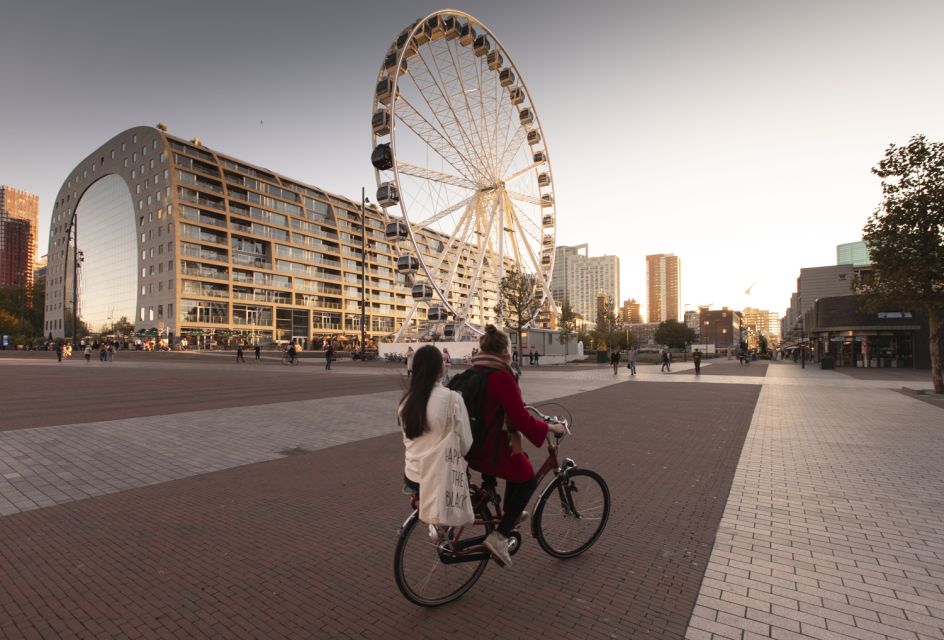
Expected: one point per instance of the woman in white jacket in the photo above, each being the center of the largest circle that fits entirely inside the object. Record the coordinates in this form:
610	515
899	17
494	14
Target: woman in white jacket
425	410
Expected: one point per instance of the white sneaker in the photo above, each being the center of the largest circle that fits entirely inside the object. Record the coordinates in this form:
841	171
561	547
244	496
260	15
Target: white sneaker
498	545
434	534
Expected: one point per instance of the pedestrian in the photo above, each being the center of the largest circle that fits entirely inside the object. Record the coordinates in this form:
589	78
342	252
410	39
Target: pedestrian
258	352
88	353
531	357
614	360
59	352
329	356
239	353
696	358
110	353
101	352
447	364
409	362
514	357
537	359
665	360
631	364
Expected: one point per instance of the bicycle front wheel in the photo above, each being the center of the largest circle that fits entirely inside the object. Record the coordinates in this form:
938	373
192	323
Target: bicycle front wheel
424	565
572	513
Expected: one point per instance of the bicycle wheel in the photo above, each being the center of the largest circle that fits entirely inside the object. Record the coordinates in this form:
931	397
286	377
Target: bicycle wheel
422	564
571	513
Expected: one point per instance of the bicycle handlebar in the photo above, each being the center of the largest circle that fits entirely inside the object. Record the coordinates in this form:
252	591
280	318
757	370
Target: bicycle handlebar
554	419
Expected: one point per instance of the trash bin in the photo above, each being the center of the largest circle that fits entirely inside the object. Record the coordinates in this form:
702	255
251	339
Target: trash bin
827	362
603	356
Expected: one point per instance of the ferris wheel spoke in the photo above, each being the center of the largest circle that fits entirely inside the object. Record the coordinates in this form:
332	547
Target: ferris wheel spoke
506	111
436	176
524	197
512	236
525	223
434	139
436	217
456	255
521	172
461	232
480	258
513	147
539	272
456	85
440	105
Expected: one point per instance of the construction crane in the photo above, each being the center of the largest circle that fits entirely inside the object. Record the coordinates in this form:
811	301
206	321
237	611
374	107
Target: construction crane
747	291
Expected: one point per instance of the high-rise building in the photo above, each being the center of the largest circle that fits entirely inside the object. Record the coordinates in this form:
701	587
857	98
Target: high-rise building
578	278
854	253
663	273
19	238
630	313
185	242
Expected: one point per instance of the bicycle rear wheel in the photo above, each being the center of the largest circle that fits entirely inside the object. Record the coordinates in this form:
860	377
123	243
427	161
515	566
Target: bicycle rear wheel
572	513
422	566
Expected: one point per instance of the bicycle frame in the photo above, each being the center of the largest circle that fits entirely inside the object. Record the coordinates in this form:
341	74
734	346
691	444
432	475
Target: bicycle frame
453	549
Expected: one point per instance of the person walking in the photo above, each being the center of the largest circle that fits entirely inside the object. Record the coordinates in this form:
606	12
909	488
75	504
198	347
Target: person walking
531	357
59	352
537	359
447	365
665	361
239	353
614	360
88	353
631	364
409	361
696	358
329	356
258	352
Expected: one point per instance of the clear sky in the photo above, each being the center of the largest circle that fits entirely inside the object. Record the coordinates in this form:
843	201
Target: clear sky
737	135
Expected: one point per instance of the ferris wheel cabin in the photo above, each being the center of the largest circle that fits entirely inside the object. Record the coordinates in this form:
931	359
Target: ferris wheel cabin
382	157
384	91
539	157
506	77
526	116
481	46
467	34
534	137
380	122
437	314
422	292
397	231
388	195
407	264
516	94
494	60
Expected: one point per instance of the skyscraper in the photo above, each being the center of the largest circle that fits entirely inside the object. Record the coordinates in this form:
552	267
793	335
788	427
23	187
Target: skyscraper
578	278
631	314
663	273
19	239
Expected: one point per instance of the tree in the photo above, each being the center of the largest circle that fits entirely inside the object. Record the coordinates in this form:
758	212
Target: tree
519	300
674	334
609	327
905	236
567	325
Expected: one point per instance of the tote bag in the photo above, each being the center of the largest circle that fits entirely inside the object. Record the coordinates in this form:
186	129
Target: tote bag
444	487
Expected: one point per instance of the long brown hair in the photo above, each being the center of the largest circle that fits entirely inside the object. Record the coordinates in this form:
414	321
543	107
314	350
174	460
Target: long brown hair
427	365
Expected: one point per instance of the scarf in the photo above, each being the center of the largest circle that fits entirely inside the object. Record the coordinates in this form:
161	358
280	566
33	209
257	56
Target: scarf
491	361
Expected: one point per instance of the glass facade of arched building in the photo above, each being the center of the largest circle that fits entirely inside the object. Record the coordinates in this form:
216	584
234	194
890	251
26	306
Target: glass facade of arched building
180	243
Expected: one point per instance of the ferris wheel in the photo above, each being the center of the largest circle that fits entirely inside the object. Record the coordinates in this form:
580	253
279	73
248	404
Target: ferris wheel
463	172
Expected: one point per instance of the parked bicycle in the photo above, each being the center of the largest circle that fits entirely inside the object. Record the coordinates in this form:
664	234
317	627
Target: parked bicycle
289	359
436	565
395	357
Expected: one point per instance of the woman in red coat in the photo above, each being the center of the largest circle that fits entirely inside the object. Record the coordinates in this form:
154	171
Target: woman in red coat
501	454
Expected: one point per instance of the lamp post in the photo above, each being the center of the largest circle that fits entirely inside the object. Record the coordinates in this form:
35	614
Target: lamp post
363	272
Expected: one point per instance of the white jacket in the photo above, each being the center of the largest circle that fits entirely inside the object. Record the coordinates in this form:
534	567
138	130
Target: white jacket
441	402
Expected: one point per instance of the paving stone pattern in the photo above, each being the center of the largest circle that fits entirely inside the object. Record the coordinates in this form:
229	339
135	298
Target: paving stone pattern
834	527
301	546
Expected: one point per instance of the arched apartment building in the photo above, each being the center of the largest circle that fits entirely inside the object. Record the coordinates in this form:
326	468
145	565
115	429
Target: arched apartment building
183	242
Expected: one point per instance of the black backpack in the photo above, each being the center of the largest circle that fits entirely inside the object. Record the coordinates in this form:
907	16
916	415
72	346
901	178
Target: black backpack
472	384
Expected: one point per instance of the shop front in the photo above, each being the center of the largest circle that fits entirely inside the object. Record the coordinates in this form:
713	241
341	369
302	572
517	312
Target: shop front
896	338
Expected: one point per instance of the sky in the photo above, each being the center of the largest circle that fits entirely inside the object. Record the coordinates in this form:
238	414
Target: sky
738	135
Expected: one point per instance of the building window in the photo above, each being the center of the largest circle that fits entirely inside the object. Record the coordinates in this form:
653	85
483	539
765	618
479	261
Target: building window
150	313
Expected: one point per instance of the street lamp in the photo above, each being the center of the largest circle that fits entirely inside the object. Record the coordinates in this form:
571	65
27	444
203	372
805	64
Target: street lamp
364	201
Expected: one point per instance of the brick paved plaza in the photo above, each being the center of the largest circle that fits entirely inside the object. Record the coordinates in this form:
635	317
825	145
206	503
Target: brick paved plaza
178	496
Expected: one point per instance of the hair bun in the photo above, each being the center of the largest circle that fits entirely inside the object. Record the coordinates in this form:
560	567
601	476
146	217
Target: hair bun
491	329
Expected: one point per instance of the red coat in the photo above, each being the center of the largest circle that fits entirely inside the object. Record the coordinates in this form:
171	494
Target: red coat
503	393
